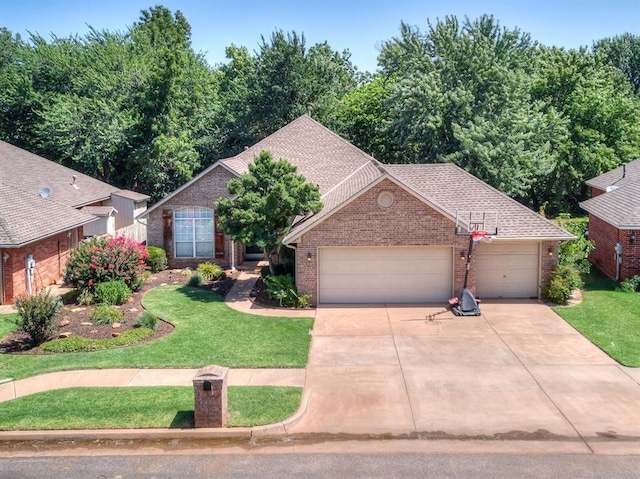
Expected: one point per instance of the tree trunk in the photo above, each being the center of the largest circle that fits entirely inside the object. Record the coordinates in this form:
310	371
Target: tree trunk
272	268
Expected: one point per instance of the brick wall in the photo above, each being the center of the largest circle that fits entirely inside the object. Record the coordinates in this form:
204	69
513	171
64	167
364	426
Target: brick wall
596	192
409	222
50	255
548	262
605	237
203	192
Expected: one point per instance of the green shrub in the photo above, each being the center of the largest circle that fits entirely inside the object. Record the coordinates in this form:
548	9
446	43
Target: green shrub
186	272
575	251
85	297
36	315
76	344
112	292
157	259
265	271
195	280
563	281
211	271
101	259
106	314
283	288
630	285
146	320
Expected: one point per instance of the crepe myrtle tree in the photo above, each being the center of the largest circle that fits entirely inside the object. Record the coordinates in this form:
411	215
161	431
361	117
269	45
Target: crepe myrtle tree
264	202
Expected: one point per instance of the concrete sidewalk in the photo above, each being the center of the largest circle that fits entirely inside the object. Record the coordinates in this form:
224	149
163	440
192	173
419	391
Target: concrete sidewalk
144	377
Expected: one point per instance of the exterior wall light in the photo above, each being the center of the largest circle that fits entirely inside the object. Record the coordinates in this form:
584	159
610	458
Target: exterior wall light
309	257
550	252
463	256
632	238
5	257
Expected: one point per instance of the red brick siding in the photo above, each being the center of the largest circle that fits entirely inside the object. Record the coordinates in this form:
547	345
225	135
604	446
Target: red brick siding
547	262
204	193
50	255
605	237
631	254
596	192
409	222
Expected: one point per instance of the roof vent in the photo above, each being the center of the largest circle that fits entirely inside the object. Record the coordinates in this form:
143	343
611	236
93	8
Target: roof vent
611	188
44	192
73	181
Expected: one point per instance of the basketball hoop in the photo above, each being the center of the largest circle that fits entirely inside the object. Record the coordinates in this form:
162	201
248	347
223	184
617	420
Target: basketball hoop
478	235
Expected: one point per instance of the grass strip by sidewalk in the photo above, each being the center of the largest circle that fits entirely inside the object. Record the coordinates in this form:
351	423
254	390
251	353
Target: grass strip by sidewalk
141	407
610	319
207	332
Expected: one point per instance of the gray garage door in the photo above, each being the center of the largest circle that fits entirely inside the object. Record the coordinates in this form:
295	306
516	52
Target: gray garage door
385	275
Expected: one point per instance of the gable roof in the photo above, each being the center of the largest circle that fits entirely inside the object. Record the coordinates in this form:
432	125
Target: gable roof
620	206
343	172
623	175
25	216
433	183
320	155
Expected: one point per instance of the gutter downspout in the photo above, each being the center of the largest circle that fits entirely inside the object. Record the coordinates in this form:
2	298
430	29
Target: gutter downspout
233	256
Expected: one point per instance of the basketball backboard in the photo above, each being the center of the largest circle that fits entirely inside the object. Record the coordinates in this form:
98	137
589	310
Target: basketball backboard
476	220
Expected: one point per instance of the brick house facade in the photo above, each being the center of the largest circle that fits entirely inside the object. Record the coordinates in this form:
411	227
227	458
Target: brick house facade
417	217
614	225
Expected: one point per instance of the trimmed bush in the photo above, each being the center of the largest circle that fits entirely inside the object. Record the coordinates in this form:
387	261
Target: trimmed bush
211	271
106	314
102	259
146	320
195	280
156	259
112	292
36	315
564	280
630	285
76	344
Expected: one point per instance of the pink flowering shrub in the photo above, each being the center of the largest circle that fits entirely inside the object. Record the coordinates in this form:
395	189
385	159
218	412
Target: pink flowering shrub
102	259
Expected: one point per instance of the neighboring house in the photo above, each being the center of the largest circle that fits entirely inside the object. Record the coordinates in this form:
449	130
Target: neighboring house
386	232
614	220
45	209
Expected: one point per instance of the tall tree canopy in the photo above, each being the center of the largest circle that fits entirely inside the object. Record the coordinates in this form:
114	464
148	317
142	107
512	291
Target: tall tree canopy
623	52
264	203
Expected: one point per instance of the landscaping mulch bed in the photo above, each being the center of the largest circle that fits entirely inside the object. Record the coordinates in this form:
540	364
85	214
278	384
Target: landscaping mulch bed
260	296
79	322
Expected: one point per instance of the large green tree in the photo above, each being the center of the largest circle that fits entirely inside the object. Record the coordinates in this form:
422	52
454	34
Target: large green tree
623	52
264	203
267	90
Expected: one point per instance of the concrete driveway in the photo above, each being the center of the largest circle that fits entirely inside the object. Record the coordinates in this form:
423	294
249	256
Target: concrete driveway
517	372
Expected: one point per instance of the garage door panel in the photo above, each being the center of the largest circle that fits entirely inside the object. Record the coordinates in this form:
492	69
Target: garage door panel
384	275
507	270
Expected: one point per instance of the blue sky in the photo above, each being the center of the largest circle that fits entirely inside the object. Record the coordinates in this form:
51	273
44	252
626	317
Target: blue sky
357	25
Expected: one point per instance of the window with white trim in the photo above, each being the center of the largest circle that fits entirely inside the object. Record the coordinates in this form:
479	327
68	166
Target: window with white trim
193	228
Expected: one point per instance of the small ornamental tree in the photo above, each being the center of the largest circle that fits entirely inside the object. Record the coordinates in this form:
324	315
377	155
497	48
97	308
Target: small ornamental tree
264	202
102	259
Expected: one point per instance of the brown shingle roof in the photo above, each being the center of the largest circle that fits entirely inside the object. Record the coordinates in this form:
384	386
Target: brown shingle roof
30	173
27	217
614	177
323	157
451	188
619	207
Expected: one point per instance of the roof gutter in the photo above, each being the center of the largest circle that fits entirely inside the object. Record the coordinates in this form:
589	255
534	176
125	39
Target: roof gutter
39	238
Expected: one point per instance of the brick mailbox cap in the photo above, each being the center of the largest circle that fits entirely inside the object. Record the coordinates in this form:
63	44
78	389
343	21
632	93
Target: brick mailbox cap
212	371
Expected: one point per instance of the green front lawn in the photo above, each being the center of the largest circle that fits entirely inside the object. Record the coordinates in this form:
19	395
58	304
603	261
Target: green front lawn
141	407
7	324
610	319
207	332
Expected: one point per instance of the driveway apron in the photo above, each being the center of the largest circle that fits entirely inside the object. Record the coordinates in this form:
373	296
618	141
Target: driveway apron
518	371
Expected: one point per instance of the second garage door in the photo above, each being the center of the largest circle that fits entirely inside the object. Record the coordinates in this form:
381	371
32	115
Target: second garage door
385	275
507	270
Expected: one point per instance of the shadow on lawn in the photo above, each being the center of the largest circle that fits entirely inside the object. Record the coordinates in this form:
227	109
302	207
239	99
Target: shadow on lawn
597	281
200	295
183	420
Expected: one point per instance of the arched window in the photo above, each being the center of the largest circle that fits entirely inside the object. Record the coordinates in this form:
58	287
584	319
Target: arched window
194	232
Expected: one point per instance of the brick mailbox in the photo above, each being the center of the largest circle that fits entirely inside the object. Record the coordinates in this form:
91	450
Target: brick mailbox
210	396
